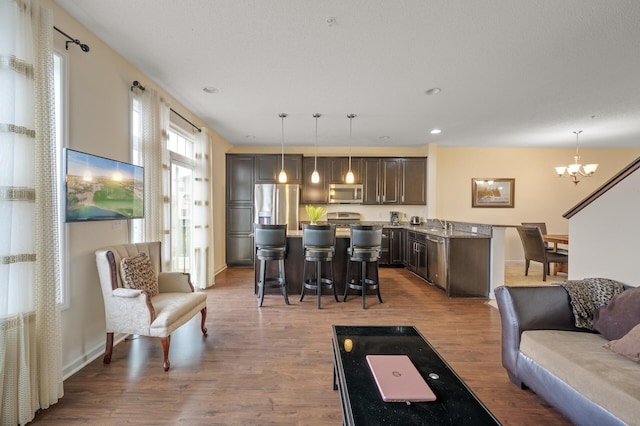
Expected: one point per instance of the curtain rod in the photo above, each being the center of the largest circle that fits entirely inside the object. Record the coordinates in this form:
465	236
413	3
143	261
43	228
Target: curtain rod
83	46
137	85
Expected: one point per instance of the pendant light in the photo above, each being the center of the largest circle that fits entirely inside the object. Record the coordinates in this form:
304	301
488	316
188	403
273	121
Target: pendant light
577	171
315	176
349	178
282	177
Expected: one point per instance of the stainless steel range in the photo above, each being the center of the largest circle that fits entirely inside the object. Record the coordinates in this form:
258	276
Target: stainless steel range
343	220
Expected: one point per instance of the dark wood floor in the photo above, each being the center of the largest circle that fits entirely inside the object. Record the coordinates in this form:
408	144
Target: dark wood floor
273	366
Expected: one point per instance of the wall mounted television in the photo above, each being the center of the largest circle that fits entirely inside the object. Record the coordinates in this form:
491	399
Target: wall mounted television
98	188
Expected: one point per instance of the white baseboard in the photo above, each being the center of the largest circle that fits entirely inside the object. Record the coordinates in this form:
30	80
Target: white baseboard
84	360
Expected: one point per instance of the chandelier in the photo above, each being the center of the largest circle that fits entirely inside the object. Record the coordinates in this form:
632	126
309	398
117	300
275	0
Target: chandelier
577	171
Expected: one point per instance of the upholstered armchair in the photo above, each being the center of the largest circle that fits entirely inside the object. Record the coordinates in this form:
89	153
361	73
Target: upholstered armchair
141	299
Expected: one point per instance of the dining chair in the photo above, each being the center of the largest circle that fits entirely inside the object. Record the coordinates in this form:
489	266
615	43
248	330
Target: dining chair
536	250
543	229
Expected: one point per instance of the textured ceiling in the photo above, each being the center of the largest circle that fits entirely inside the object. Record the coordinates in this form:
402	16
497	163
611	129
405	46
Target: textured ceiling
512	72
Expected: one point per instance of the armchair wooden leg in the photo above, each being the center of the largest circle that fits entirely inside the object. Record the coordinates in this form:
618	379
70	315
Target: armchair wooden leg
108	351
204	319
166	342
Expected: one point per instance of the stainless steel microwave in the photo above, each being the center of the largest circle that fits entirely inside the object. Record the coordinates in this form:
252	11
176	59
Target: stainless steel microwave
346	193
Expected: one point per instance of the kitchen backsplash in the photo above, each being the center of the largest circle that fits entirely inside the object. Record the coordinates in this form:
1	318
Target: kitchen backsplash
373	213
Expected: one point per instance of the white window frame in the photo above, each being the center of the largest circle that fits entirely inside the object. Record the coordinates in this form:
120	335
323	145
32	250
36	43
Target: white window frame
136	231
62	130
184	161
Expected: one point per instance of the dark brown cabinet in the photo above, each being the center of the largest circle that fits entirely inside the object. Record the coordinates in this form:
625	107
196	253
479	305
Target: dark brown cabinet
240	179
392	250
414	181
239	209
395	181
416	253
337	168
268	166
382	180
468	263
314	192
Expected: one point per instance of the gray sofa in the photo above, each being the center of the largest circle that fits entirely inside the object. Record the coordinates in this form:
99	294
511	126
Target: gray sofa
565	365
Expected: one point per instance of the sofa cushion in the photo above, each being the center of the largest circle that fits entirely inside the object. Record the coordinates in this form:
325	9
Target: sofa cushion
580	360
619	316
138	273
628	346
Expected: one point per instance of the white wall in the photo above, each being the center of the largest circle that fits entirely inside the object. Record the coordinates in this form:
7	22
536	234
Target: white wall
604	236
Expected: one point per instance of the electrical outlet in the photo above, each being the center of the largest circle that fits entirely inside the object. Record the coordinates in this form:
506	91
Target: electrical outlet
474	229
116	224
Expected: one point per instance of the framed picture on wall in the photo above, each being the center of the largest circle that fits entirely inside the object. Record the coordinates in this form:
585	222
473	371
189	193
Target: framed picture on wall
492	192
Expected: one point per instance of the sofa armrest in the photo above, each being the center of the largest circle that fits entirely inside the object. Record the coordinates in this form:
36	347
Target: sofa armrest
174	282
531	308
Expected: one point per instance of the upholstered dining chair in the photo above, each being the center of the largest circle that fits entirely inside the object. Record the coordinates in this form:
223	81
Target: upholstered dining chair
140	299
543	229
536	250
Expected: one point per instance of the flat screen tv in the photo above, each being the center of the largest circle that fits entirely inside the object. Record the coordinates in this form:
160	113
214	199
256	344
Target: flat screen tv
98	188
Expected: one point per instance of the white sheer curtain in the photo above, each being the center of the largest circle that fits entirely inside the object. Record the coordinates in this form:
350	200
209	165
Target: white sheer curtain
154	157
202	270
30	337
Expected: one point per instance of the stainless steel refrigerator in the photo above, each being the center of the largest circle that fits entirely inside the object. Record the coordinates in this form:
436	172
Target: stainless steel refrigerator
277	204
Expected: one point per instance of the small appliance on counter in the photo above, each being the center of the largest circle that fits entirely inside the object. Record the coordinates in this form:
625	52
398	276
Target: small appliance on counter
394	218
415	220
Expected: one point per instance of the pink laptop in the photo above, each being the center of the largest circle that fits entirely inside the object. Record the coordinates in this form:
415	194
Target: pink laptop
398	379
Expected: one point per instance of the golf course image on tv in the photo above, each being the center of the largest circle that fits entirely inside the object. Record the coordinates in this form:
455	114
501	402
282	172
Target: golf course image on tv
99	188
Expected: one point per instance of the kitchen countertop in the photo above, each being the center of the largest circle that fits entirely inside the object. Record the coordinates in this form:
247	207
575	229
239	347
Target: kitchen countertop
423	229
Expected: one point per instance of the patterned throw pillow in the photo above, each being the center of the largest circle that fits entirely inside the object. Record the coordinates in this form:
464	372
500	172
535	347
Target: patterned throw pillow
138	273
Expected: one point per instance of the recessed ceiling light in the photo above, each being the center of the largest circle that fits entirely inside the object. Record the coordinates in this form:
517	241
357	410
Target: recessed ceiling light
209	89
331	21
385	137
433	91
250	137
436	131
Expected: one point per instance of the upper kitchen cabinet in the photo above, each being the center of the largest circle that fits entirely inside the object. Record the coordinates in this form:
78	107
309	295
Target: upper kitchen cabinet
337	168
395	181
314	192
240	179
414	181
382	180
267	168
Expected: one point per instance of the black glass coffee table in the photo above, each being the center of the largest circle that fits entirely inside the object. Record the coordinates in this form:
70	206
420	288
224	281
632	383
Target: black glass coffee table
361	400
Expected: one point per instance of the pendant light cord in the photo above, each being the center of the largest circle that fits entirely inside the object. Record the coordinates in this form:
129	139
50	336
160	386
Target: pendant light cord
350	139
315	162
282	116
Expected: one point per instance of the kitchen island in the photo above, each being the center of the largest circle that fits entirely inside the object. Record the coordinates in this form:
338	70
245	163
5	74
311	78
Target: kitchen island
456	260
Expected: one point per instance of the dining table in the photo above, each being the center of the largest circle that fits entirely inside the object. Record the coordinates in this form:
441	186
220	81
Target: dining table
556	239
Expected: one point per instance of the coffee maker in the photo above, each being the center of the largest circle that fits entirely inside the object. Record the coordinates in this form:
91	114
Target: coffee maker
394	218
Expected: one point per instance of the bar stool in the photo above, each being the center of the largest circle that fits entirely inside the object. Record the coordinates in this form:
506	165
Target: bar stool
365	248
271	244
318	245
